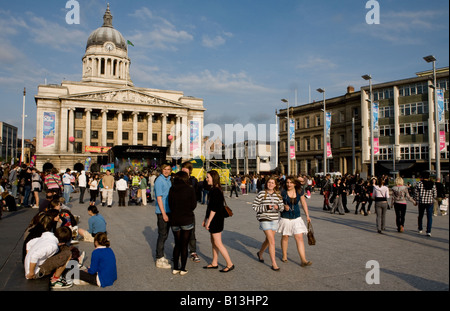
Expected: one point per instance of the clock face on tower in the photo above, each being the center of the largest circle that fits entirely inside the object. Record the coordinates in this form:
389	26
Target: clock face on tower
109	47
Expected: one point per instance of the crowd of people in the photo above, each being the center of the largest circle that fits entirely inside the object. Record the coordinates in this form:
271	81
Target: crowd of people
50	238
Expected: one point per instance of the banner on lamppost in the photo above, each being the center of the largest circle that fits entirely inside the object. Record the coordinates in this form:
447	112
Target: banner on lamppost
291	139
375	129
440	104
327	139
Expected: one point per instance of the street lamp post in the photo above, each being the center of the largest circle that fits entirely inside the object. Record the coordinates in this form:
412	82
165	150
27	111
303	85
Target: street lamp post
432	59
288	141
324	133
372	149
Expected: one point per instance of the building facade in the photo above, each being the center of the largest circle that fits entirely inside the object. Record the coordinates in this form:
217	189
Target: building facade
405	131
345	135
80	120
8	141
406	125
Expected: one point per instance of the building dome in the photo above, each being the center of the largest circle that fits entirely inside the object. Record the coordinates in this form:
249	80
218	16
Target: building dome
107	33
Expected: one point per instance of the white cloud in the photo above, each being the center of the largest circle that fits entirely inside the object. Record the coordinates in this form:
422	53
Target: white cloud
159	34
403	27
216	41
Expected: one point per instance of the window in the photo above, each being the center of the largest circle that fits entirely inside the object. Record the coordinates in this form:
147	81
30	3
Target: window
78	114
95	115
342	141
297	124
125	117
140	136
94	134
78	134
110	116
78	147
318	120
109	135
307	144
342	116
307	122
387	112
154	136
140	118
413	89
355	112
414	152
125	135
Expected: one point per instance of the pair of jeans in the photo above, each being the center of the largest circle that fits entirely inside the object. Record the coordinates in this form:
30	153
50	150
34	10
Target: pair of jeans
67	191
429	209
400	212
26	196
163	233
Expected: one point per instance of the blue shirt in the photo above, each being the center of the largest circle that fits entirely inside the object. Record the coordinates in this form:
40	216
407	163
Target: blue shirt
96	224
162	187
103	262
294	206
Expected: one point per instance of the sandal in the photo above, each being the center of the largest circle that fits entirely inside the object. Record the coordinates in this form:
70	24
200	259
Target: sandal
228	269
211	267
259	258
304	264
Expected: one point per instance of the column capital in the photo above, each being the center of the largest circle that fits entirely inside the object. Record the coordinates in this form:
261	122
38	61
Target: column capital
150	114
165	115
120	112
87	109
105	110
135	113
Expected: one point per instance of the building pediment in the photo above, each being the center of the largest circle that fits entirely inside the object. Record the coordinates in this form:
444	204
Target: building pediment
124	96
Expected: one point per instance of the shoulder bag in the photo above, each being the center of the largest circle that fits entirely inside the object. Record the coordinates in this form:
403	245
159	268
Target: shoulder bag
310	234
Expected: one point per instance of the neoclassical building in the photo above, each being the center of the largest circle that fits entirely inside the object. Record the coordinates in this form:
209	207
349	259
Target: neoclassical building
82	120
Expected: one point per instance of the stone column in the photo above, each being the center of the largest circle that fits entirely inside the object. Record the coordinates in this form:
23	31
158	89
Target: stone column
150	129
135	127
71	127
396	122
185	133
164	130
87	141
178	135
104	129
63	130
119	127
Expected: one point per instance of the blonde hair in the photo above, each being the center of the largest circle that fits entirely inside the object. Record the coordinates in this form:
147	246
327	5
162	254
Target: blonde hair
399	181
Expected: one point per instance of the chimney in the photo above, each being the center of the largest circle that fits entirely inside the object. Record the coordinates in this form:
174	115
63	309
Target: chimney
350	89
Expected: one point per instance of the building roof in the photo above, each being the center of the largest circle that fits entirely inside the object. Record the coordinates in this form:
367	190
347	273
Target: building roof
107	33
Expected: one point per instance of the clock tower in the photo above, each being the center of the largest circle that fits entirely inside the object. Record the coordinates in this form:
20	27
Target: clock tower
106	58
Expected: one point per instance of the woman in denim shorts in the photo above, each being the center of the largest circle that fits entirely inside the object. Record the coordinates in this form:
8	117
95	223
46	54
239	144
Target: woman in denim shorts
267	205
182	202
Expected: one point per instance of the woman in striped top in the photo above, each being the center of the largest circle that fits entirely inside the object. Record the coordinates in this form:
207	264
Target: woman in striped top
267	205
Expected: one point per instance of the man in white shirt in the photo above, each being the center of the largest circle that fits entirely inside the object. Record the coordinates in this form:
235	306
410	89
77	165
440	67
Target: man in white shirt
67	182
82	185
121	186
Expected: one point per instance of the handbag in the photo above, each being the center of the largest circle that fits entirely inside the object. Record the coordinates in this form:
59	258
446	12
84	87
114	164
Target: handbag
310	234
228	211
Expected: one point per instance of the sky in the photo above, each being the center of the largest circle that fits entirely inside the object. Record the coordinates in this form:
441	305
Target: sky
240	56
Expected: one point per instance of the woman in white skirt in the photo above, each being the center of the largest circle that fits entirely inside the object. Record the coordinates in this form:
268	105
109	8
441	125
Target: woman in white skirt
267	205
290	221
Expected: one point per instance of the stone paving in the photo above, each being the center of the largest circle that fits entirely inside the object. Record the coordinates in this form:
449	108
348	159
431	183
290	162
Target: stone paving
342	258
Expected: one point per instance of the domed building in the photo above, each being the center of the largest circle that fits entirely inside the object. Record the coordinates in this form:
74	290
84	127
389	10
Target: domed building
104	120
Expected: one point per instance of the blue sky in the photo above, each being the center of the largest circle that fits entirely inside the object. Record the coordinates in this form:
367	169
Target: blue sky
240	56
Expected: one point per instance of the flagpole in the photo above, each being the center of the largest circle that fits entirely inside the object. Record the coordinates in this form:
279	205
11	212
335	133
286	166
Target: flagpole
23	126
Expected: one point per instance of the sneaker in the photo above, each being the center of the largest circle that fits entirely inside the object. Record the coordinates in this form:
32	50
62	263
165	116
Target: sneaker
429	234
195	257
183	272
420	231
60	283
174	271
82	257
162	263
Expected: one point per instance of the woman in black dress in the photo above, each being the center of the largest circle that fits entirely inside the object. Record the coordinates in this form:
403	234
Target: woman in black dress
214	222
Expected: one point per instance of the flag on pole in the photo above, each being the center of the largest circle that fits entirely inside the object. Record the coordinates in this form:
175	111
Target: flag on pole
130	43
